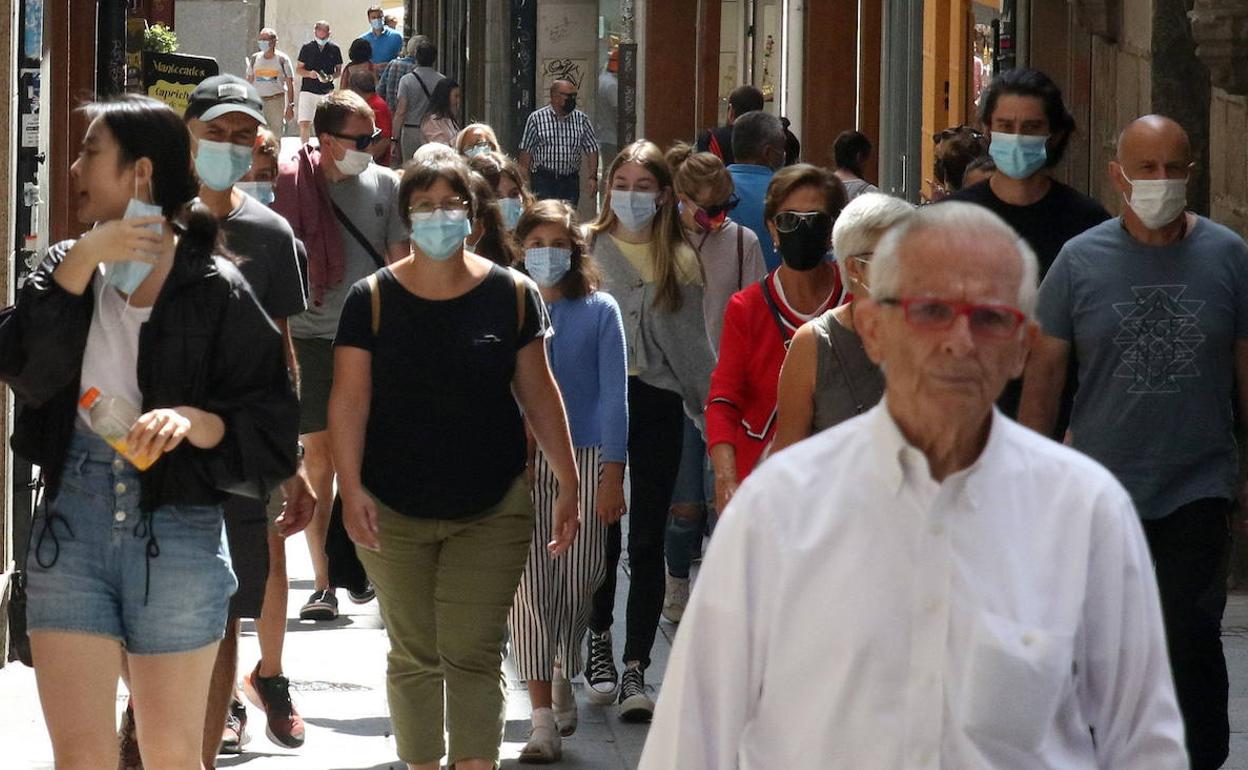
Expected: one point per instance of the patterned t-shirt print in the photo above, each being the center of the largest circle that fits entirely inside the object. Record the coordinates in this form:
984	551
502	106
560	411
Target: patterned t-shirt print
1158	335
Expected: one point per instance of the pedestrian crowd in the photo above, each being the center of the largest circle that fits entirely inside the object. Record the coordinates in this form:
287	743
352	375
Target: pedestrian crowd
458	391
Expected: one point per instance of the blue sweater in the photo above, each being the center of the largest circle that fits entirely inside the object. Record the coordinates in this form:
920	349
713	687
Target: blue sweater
588	359
752	183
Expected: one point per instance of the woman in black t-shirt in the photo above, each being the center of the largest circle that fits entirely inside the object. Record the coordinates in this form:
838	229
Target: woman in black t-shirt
429	443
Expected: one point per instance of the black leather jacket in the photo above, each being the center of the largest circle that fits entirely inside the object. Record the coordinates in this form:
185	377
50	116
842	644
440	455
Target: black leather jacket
208	344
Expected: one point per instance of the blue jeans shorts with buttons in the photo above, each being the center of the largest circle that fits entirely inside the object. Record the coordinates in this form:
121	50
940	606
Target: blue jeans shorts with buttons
94	567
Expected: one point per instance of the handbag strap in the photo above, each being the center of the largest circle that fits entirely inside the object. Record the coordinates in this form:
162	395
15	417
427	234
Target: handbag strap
785	335
740	257
357	235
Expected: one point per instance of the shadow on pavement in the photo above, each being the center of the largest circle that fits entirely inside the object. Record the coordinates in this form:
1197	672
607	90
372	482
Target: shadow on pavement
368	727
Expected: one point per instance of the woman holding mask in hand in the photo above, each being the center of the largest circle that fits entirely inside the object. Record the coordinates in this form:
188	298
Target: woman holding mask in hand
141	310
434	359
801	206
653	272
551	611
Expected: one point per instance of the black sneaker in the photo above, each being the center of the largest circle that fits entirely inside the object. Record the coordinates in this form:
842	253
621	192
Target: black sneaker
284	726
235	736
635	703
600	671
321	605
363	597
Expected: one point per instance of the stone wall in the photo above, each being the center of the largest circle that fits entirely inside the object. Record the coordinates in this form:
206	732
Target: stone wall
1228	152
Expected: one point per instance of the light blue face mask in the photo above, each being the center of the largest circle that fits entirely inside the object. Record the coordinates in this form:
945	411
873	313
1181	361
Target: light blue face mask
511	209
126	276
221	164
1018	156
440	234
264	45
321	41
480	148
377	24
547	264
261	191
634	209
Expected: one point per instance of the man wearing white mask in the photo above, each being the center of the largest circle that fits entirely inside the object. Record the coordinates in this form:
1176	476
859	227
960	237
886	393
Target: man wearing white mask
1029	128
345	208
1156	305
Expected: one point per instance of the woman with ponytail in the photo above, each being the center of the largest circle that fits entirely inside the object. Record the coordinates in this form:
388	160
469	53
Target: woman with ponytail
127	552
653	272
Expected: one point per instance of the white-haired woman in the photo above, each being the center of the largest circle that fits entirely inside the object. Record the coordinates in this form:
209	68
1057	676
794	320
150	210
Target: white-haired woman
827	377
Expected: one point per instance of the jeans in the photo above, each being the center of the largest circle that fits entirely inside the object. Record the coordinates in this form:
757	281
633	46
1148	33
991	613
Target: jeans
695	485
549	185
655	434
1190	550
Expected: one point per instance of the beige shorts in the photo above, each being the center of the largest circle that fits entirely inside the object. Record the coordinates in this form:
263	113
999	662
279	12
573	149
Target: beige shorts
307	106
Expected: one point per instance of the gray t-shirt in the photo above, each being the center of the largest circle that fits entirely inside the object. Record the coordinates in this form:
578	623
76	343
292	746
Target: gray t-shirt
371	202
1153	329
413	96
269	261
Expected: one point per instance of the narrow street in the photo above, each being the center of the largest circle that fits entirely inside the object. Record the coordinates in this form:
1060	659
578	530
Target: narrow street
337	673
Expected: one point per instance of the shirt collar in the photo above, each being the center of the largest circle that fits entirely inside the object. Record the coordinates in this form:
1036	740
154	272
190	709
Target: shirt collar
900	462
751	168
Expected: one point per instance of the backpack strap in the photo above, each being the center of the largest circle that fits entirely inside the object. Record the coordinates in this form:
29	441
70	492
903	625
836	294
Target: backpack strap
375	297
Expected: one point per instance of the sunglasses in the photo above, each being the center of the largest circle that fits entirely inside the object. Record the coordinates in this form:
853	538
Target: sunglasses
789	221
363	141
722	208
929	314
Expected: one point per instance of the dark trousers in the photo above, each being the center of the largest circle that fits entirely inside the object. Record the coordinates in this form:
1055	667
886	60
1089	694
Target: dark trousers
1190	549
655	434
548	185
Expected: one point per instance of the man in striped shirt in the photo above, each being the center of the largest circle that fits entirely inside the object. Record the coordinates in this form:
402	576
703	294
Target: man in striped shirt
557	139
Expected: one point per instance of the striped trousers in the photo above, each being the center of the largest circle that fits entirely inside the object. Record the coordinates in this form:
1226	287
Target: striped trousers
551	612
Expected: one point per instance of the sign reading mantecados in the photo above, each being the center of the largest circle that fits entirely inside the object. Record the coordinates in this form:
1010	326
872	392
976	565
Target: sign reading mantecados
171	77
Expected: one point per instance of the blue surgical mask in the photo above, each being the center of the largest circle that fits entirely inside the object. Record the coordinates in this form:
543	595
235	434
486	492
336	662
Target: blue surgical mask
480	148
377	24
127	276
1018	156
440	234
261	191
547	264
321	41
634	209
511	209
264	45
221	164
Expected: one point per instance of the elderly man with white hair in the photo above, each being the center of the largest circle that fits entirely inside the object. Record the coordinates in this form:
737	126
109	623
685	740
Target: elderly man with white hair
928	584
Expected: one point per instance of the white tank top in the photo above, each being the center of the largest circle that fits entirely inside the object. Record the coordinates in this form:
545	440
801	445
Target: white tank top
111	360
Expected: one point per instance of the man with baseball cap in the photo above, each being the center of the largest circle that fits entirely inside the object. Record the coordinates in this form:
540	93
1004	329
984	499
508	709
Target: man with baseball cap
224	115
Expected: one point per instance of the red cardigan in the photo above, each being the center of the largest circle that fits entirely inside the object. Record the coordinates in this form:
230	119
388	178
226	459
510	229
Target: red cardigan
741	409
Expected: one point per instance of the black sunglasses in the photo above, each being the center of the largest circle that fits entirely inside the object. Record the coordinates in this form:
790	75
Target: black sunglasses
789	221
723	208
363	141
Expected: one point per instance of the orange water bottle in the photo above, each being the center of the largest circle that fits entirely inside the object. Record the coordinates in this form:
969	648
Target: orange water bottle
112	418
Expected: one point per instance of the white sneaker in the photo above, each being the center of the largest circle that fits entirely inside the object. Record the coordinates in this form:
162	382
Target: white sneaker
544	744
600	671
564	701
675	598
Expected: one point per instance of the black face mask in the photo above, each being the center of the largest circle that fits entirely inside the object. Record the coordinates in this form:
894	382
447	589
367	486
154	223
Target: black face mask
804	247
569	104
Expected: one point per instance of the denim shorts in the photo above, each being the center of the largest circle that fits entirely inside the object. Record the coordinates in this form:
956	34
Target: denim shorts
98	566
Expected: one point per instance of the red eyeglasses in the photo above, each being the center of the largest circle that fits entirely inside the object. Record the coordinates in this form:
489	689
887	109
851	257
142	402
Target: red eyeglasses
930	314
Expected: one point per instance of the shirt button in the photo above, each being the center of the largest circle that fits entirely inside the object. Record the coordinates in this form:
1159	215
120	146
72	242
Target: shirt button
118	464
120	488
120	515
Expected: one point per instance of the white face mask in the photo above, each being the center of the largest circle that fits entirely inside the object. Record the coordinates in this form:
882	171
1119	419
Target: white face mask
354	162
1157	202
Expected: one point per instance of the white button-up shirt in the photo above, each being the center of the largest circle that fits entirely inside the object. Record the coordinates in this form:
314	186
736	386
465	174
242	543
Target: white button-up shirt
854	613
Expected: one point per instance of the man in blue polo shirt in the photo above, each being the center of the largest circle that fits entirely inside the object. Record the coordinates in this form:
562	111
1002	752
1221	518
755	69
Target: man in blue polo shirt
758	146
386	42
